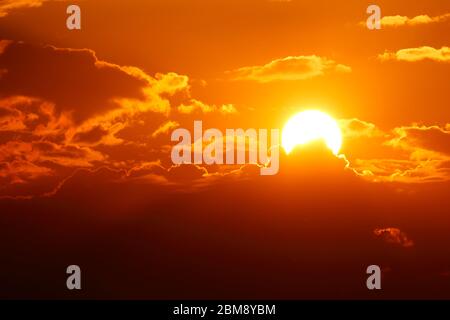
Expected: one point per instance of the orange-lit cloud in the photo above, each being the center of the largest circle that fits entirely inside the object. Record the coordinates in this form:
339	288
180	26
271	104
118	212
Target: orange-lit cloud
418	54
41	152
289	68
165	128
394	236
195	105
433	138
398	20
120	122
42	69
85	149
49	131
352	128
21	171
6	6
410	154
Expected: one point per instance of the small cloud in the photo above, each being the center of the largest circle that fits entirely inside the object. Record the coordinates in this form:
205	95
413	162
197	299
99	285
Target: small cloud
418	54
165	127
289	68
398	21
6	6
91	136
394	236
353	128
186	172
170	83
195	105
227	109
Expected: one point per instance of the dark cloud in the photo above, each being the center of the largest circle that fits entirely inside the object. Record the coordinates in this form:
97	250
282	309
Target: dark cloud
433	138
74	80
63	108
91	136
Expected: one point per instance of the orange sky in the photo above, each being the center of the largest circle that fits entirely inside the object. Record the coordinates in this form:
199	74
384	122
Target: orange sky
85	123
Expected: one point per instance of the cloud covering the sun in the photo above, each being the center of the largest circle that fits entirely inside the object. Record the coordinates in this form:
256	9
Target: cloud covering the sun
288	69
418	54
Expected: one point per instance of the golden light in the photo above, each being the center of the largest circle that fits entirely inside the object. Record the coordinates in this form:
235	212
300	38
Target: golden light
309	126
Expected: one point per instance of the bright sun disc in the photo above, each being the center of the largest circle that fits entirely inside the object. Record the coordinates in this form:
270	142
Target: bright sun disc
308	126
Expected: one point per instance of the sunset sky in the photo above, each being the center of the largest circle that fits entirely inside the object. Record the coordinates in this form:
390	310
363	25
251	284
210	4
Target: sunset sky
86	175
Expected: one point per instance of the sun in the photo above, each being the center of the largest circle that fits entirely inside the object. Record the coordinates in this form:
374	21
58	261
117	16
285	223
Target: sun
311	125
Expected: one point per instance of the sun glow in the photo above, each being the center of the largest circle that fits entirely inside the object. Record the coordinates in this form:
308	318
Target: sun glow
308	126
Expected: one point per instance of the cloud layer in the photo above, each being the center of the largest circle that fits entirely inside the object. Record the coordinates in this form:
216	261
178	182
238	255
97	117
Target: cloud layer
53	120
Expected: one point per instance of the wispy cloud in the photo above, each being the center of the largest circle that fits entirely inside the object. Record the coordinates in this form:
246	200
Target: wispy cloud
165	128
289	68
195	105
6	6
418	54
398	20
